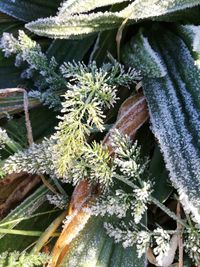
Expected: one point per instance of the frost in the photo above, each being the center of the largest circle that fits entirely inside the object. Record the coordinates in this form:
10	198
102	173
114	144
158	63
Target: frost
79	6
141	9
140	49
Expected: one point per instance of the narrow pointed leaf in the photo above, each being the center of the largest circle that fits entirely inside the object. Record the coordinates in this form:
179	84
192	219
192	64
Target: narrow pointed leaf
78	25
80	6
140	9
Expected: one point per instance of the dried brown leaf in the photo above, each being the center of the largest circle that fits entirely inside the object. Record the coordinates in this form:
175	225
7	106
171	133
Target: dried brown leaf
14	188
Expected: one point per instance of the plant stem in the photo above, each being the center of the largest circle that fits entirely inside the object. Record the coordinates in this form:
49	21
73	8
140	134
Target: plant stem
154	201
27	218
22	232
180	236
48	233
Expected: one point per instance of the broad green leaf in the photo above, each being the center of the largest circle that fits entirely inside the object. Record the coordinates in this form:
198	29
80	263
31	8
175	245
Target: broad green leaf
29	10
174	106
191	36
93	247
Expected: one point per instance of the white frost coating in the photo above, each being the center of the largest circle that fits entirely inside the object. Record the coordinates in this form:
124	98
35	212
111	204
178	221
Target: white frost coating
79	6
196	37
74	26
180	155
189	104
168	258
141	9
154	56
189	207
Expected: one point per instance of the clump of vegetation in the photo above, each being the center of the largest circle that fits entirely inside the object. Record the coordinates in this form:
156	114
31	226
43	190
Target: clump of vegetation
108	143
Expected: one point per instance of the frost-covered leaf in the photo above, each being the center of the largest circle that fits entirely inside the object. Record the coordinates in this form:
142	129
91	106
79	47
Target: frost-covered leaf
174	105
191	36
94	248
80	6
139	49
78	25
28	10
142	9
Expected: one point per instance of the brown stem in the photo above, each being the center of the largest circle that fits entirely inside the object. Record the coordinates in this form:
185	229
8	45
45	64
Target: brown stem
8	91
180	236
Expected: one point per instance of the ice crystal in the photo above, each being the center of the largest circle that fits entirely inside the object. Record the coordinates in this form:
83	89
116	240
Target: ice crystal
127	156
142	242
192	245
27	50
141	199
4	138
36	160
162	240
110	205
22	259
57	200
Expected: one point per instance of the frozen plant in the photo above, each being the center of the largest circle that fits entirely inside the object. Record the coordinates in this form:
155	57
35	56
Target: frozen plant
22	259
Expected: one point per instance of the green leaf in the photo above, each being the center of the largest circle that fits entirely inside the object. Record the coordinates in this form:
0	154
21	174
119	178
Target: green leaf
26	208
68	50
162	187
78	25
174	106
93	247
40	214
29	10
80	6
152	64
143	9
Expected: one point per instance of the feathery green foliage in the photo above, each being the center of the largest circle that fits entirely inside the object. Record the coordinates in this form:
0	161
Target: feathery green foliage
19	259
167	56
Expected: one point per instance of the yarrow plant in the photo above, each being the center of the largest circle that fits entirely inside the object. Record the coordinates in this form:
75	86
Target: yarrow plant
83	94
18	259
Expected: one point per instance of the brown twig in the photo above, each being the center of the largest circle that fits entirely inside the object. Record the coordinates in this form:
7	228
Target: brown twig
180	236
47	184
8	91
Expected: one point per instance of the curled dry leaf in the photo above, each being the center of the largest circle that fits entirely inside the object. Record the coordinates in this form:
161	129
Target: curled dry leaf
13	188
132	115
